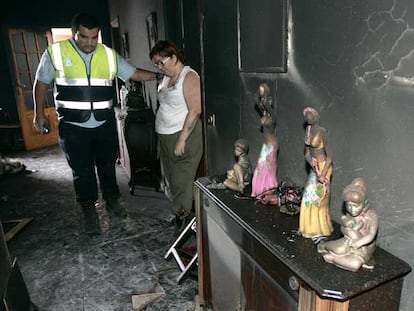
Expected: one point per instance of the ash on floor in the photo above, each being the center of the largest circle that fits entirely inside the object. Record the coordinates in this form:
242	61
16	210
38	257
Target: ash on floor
68	267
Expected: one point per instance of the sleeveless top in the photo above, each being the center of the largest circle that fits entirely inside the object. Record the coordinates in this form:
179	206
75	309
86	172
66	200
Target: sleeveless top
173	109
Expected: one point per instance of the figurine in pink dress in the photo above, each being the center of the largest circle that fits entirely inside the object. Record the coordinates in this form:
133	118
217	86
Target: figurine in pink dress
265	174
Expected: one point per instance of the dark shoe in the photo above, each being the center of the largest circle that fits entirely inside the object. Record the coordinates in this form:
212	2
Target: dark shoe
180	223
90	217
117	205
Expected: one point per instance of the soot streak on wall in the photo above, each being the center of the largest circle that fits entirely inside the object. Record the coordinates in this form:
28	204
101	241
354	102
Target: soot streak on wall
354	62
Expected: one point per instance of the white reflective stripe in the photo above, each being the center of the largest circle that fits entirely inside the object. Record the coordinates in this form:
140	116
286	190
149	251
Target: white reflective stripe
72	82
83	82
57	57
83	105
101	82
111	61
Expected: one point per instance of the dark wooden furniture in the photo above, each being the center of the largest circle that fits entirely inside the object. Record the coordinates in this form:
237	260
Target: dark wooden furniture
13	291
250	258
10	136
138	147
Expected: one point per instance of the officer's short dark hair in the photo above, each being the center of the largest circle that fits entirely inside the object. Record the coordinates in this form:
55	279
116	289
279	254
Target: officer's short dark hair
86	20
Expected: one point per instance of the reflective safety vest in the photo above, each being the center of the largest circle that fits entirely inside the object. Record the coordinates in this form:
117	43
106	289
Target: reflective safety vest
77	94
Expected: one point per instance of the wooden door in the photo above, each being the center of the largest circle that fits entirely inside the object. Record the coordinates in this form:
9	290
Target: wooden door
26	50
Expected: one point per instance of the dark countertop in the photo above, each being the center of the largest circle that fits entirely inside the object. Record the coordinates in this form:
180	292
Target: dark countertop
277	233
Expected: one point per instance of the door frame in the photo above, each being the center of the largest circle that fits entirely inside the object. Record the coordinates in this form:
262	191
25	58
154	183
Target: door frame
23	60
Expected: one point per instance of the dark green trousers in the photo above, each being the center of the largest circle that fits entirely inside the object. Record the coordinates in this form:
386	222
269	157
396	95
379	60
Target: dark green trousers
180	171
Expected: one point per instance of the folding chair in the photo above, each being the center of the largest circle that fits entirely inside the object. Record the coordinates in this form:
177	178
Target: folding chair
179	255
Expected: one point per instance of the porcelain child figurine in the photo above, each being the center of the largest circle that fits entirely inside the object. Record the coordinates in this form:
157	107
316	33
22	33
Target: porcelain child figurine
314	220
359	227
241	174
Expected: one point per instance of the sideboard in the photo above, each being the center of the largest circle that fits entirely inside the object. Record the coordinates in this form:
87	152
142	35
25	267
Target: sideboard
251	258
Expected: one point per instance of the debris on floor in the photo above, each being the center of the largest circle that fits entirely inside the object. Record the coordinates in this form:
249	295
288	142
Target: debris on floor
12	227
142	300
8	166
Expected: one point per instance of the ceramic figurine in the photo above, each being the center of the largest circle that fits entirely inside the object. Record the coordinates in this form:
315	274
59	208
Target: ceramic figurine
241	174
263	101
314	219
359	228
265	173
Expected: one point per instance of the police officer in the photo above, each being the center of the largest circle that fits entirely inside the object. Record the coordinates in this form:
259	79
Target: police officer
84	71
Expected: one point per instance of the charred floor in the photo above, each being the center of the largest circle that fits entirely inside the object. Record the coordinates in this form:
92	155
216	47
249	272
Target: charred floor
67	265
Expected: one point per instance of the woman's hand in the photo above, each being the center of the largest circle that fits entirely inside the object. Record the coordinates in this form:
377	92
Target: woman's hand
179	148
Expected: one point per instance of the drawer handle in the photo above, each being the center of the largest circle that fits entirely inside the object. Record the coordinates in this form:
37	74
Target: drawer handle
206	202
293	283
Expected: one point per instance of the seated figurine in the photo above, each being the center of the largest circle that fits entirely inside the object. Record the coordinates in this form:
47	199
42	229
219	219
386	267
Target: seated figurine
359	227
241	174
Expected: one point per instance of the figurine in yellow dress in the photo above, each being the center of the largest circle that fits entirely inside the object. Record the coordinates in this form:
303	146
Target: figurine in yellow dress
314	220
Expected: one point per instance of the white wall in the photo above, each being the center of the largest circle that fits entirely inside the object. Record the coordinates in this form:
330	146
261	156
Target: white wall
132	16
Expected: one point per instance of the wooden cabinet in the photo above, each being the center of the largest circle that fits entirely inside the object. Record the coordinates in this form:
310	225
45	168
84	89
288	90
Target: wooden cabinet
138	147
250	258
13	290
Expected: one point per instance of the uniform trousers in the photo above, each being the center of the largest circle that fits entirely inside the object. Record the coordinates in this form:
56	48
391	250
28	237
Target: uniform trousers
89	151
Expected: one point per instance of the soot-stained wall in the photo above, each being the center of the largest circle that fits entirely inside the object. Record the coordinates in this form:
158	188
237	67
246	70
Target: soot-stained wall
353	61
342	61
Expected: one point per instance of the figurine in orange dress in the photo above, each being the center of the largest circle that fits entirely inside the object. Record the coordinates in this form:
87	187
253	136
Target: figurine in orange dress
314	220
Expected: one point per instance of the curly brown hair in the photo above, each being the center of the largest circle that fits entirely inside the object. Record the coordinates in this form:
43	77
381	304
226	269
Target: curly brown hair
166	49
